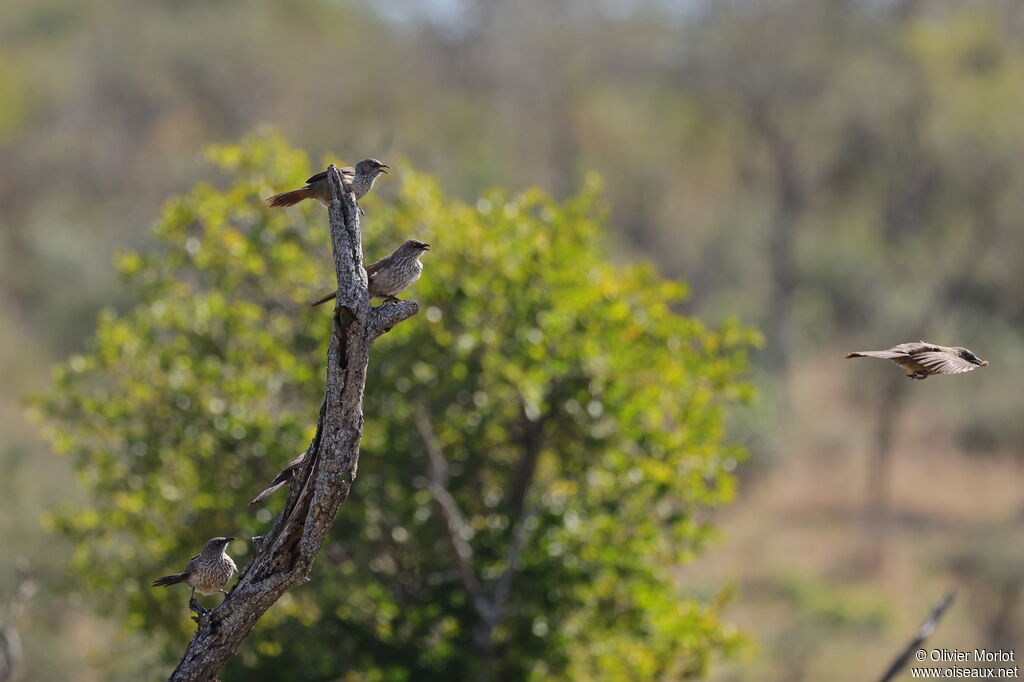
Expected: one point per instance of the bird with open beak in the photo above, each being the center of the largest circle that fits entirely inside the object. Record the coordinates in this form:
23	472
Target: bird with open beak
359	180
923	359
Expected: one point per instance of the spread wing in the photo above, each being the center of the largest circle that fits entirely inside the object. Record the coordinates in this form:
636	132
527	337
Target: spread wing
345	172
944	363
191	565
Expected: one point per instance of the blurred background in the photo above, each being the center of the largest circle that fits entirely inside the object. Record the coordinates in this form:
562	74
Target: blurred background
838	174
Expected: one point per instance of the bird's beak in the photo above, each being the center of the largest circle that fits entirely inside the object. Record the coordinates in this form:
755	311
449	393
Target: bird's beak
383	168
426	247
228	539
984	363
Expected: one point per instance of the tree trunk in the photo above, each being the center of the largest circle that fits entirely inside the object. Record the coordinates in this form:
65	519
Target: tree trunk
876	512
287	552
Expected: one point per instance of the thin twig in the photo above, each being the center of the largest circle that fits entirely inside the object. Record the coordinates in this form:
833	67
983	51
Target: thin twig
456	525
923	633
489	607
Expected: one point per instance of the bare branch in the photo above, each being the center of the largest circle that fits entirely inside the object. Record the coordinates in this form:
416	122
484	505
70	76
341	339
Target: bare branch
454	521
323	482
532	441
10	642
504	582
923	633
489	607
387	316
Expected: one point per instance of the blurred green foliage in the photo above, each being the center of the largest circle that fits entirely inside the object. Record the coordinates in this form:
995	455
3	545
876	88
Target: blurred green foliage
897	121
530	343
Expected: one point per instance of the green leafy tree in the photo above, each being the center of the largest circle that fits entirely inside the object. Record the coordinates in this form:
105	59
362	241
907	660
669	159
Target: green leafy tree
579	418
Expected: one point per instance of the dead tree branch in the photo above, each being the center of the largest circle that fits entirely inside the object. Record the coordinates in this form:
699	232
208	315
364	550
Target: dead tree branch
456	526
287	552
490	606
10	642
923	633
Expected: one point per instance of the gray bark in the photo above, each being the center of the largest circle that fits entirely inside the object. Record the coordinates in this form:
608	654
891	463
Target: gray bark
287	552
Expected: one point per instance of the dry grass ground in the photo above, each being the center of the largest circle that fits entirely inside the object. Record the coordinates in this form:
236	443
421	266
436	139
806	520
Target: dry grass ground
799	552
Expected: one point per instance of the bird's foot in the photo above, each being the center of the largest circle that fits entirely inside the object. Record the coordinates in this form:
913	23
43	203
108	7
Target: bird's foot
393	300
197	607
361	211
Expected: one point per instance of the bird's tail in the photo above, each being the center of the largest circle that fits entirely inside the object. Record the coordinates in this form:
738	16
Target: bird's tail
282	478
883	354
173	579
325	299
285	199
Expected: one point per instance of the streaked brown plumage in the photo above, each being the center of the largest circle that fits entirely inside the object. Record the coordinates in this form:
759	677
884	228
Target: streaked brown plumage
283	477
392	274
208	572
360	179
922	359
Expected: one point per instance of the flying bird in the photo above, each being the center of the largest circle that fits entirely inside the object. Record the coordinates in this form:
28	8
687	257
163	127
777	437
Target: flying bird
208	571
922	359
392	274
359	179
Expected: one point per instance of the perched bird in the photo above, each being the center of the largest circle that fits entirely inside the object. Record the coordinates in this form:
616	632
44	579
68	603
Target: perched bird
208	571
923	359
283	476
392	274
359	179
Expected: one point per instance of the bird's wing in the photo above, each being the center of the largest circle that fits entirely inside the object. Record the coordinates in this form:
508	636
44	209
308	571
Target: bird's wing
292	465
944	363
283	476
191	565
925	347
372	268
347	170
